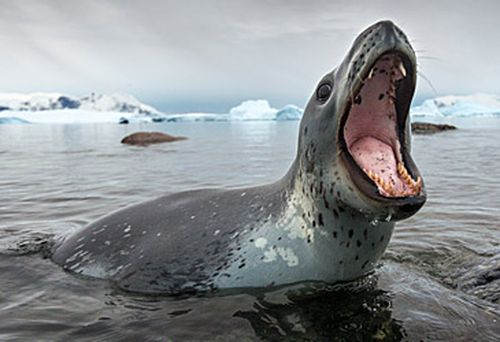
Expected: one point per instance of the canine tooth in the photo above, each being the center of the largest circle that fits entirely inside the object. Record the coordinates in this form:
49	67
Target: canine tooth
401	68
370	75
419	184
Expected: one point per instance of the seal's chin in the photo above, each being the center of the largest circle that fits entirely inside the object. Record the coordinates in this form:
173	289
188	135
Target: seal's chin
373	131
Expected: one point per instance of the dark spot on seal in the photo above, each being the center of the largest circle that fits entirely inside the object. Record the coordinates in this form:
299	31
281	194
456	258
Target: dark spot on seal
320	219
334	235
365	234
348	244
308	238
373	244
341	262
327	205
364	264
381	238
358	243
351	233
381	96
335	213
314	223
357	257
242	265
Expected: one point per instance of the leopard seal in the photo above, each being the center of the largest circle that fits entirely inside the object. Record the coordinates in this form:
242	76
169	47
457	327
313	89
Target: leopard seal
328	219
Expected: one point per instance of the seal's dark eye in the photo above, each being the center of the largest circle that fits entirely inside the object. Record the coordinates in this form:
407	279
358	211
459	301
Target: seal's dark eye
323	92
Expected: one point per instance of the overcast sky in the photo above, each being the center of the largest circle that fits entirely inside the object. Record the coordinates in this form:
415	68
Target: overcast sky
210	55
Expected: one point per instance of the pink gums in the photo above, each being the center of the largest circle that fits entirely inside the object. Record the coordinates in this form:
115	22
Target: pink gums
371	128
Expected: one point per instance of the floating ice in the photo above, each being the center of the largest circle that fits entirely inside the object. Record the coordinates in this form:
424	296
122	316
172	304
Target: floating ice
459	106
98	108
250	110
10	120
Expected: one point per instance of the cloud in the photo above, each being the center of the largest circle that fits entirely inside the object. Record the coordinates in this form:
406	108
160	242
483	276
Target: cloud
210	55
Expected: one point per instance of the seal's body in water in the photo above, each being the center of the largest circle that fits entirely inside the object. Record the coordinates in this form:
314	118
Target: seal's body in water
328	219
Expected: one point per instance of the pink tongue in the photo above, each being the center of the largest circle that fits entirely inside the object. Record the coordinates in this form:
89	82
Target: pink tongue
374	155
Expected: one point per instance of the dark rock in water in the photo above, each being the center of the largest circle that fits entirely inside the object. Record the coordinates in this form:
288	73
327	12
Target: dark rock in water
2	108
429	128
158	119
147	138
123	121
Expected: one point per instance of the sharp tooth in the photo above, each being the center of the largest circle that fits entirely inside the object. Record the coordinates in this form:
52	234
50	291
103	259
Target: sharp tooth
401	68
370	75
419	185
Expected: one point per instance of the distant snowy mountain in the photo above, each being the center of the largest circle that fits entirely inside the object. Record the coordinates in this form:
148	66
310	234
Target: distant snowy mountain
459	106
94	102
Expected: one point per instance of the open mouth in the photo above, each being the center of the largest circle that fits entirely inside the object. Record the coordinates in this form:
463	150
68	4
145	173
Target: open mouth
373	130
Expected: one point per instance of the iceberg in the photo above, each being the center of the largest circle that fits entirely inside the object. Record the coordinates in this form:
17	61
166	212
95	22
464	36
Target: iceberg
12	120
69	116
289	112
253	110
459	106
250	110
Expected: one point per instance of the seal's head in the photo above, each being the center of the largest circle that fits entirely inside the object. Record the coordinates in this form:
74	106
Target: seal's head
355	132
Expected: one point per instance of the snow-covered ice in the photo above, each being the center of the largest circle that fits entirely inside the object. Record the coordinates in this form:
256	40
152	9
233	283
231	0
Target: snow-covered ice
98	108
459	106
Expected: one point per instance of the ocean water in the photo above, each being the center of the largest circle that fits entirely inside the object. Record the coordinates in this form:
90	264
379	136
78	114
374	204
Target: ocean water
439	279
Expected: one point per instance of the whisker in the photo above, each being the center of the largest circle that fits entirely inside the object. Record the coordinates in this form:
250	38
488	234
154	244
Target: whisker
421	74
430	58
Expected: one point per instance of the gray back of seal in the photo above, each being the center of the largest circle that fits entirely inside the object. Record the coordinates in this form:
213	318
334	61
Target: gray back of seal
173	244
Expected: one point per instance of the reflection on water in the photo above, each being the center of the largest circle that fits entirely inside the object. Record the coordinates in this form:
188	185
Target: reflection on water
344	313
439	280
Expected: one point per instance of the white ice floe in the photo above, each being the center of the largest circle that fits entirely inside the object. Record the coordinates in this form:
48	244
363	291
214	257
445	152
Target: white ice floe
459	106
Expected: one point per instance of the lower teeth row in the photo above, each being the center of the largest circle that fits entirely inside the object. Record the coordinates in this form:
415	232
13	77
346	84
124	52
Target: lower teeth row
414	185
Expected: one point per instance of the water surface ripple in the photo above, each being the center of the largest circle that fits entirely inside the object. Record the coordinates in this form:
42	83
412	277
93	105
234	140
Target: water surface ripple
439	280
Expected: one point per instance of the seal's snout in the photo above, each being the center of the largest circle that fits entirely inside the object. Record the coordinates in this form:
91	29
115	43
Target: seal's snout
390	33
